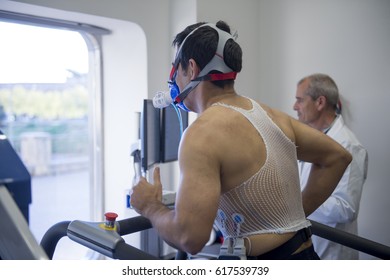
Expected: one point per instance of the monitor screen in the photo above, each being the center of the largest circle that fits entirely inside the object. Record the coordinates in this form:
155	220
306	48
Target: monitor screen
160	134
150	135
171	132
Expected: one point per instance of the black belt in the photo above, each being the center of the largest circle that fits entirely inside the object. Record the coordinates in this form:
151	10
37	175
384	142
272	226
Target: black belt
289	247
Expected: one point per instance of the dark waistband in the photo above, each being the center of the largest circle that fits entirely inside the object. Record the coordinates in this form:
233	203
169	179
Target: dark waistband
288	248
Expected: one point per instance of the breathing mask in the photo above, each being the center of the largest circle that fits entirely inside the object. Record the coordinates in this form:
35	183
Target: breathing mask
217	63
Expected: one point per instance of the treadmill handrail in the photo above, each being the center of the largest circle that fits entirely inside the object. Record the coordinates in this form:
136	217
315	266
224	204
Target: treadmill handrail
121	251
132	225
351	240
139	223
52	237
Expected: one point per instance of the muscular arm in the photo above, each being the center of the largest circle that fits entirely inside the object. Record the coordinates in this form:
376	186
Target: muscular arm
343	205
188	226
329	161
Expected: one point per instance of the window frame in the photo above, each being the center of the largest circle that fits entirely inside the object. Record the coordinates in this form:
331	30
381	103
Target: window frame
93	38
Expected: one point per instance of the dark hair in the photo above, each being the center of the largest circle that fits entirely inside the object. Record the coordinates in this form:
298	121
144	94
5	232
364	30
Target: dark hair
202	45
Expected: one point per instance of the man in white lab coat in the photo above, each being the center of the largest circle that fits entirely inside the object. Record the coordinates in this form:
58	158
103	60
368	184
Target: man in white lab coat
317	104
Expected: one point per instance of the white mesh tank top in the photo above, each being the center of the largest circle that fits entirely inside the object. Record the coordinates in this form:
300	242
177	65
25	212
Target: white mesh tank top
270	201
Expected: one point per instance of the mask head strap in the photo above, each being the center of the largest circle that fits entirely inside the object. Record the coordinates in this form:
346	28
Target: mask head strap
217	63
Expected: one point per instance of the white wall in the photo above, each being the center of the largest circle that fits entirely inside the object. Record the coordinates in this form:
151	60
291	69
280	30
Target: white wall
282	41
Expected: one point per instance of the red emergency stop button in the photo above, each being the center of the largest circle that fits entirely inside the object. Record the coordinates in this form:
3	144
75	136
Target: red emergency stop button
110	219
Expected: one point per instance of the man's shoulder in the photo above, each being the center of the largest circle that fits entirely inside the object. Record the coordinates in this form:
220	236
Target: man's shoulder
349	141
343	134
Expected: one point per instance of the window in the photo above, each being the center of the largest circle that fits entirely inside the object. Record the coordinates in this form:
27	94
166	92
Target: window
50	104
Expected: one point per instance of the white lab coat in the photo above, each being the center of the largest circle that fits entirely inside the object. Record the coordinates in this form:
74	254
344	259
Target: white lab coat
341	209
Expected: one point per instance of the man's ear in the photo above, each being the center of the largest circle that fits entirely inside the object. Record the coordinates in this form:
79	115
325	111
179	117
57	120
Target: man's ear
193	69
321	103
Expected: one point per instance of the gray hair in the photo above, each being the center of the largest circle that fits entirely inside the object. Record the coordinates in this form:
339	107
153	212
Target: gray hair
322	85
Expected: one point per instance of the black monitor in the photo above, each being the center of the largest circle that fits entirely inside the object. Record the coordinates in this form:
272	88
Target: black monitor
150	135
160	134
171	131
